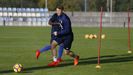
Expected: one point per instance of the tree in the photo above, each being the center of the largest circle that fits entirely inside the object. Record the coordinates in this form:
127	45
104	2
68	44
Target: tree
131	5
73	5
41	3
92	5
51	5
121	5
101	3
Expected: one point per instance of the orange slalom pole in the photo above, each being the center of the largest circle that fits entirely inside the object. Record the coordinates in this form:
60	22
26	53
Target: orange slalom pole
99	39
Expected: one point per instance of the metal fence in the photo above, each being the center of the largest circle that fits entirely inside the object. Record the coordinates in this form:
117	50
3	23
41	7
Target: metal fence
38	17
92	19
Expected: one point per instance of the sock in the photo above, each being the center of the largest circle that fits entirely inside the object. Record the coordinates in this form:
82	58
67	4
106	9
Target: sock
54	58
60	51
72	54
46	48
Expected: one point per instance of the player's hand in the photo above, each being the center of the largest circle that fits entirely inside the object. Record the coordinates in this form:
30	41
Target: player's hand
55	33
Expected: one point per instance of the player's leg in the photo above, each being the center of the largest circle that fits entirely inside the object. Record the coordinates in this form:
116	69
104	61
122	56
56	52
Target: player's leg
70	53
46	48
54	53
73	55
54	43
60	52
53	49
67	47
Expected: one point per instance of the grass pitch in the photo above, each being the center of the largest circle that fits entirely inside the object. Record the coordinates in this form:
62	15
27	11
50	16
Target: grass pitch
19	44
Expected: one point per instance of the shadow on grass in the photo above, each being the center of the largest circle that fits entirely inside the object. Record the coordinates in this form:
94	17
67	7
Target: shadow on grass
82	61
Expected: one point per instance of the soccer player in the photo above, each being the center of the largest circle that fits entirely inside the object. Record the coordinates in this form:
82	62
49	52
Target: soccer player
56	26
66	34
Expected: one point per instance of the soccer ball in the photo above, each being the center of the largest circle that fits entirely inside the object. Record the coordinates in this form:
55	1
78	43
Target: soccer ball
91	36
103	36
17	68
86	36
95	36
98	67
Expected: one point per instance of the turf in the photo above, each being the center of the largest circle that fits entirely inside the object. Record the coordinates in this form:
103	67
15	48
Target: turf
18	45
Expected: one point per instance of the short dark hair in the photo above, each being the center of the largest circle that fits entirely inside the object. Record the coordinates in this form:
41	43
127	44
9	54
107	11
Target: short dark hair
60	7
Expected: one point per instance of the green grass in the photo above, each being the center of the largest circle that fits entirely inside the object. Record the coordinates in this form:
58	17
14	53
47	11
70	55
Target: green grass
18	45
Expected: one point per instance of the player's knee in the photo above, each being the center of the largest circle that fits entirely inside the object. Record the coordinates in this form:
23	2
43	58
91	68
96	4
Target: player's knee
67	52
53	45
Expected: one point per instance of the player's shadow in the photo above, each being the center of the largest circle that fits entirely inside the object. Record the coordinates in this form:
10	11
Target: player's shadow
82	61
107	59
